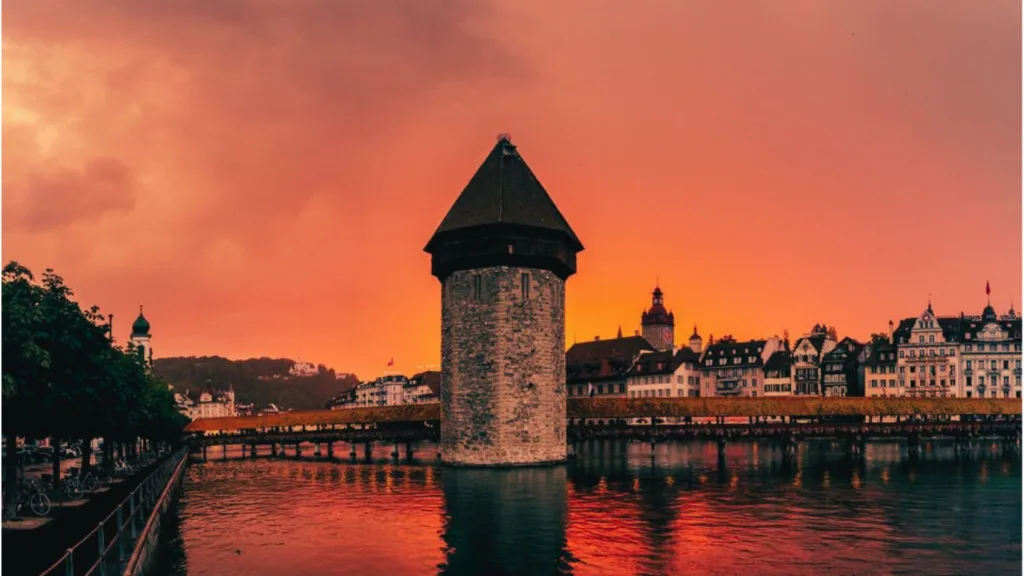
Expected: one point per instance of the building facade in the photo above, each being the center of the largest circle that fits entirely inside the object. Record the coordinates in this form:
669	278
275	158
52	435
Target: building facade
600	367
928	354
778	374
879	377
840	369
212	403
731	369
807	355
990	356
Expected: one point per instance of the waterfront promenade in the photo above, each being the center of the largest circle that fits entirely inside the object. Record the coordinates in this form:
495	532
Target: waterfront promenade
33	546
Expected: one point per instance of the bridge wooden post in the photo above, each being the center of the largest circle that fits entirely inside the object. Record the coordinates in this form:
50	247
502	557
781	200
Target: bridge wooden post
204	452
224	451
316	450
394	453
330	450
273	449
914	444
722	443
353	454
408	450
368	451
298	449
252	450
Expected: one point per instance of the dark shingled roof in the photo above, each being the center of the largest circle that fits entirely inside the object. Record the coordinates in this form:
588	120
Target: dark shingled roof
505	191
883	354
951	329
743	350
781	361
431	378
653	363
603	359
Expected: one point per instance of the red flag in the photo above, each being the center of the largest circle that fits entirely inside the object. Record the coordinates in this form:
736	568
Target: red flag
988	289
391	362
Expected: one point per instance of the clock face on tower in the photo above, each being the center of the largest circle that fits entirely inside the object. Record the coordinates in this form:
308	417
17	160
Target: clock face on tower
666	336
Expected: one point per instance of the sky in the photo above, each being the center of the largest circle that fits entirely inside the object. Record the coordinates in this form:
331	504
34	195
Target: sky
263	175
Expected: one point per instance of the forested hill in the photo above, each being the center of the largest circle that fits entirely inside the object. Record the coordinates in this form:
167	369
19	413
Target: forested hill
257	380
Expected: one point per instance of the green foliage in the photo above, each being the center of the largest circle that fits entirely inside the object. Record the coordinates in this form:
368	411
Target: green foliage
260	381
63	377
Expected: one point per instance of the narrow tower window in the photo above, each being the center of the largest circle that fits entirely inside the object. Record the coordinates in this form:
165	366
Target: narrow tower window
478	286
525	286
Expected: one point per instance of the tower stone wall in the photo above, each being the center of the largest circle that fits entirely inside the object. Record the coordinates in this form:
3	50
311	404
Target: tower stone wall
503	367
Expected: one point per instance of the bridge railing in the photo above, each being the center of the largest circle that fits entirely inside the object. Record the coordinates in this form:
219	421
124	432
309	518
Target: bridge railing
106	548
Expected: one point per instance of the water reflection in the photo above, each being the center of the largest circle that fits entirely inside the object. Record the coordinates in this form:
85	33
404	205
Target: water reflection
616	510
505	521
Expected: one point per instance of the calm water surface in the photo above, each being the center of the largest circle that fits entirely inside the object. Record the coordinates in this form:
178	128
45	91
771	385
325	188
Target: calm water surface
611	512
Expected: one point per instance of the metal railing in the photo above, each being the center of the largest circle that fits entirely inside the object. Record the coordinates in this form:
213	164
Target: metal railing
107	547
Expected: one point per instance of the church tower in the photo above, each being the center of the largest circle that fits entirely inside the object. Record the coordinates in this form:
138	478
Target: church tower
503	254
658	323
141	339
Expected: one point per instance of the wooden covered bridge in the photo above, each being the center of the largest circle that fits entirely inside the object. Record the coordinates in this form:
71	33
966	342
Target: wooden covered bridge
786	420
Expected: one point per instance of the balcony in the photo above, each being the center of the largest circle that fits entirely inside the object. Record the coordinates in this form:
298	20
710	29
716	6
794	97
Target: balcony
1016	372
968	371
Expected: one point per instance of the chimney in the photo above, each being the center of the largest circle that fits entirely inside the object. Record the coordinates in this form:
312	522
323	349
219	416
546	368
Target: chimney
596	338
636	333
890	331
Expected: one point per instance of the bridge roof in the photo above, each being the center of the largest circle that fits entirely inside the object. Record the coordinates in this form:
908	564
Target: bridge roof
383	414
640	408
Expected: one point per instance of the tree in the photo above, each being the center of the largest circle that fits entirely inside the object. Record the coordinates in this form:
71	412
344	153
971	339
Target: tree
879	338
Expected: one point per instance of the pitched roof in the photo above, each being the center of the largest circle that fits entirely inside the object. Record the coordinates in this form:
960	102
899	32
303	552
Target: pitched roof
653	363
504	191
817	340
430	378
742	350
883	354
951	328
603	359
779	361
685	354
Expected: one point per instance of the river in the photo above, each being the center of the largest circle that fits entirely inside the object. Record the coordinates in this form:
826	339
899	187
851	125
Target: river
613	511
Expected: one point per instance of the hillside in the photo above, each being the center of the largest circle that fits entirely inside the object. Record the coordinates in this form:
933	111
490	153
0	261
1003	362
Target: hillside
256	380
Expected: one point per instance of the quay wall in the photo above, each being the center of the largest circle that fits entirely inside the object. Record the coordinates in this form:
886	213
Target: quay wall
141	561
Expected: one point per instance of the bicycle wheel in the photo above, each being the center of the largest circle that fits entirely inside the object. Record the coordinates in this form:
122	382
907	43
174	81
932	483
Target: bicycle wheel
92	484
39	503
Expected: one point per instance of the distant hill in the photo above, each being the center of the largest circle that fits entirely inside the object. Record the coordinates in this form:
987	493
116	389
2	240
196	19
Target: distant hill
260	381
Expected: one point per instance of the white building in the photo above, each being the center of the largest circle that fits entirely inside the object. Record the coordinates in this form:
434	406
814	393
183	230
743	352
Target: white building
928	356
778	374
879	376
807	355
423	388
388	390
730	368
990	355
303	369
212	403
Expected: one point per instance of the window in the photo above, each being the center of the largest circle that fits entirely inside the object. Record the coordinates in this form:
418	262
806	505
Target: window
901	369
969	348
874	383
952	352
969	378
1006	364
931	338
1006	380
525	286
969	364
901	353
993	366
920	339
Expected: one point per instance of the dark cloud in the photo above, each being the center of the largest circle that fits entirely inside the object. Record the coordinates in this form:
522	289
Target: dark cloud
61	197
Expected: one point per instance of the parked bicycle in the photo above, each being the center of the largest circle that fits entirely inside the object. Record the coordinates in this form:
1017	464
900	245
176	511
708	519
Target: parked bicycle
30	493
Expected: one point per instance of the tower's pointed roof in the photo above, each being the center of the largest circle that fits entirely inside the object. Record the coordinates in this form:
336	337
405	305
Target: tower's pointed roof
141	326
504	191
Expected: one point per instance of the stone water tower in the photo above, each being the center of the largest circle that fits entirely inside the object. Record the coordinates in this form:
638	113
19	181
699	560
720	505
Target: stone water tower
503	254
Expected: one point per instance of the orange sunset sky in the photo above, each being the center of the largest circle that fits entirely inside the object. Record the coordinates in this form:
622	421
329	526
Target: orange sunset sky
263	176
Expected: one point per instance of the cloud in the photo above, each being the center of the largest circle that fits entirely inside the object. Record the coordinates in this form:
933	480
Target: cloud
64	196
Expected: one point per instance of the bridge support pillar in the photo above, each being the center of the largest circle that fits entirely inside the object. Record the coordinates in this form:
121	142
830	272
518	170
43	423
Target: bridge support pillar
368	451
273	449
914	445
722	443
298	450
204	452
330	450
654	444
394	453
224	451
352	454
855	445
408	451
252	450
316	451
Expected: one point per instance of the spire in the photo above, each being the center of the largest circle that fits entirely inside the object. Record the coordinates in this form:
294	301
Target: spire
620	331
504	191
930	303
